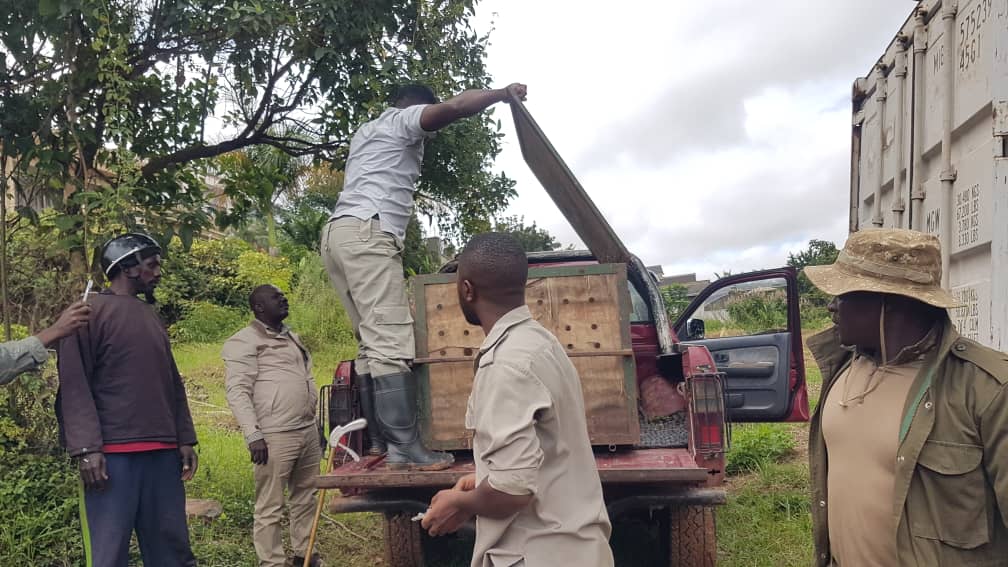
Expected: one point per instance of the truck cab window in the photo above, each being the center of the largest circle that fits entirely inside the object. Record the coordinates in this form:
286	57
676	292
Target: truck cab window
641	313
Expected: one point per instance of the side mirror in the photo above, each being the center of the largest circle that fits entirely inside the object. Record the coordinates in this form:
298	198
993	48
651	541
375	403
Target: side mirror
695	329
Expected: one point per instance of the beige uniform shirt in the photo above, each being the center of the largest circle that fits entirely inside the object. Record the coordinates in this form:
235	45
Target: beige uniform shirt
269	382
531	437
860	423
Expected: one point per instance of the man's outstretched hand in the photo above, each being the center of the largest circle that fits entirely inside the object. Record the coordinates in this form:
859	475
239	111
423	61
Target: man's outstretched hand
516	91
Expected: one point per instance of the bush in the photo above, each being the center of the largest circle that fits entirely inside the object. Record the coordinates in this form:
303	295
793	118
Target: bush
207	323
814	317
39	521
315	310
221	272
759	314
756	445
256	269
676	300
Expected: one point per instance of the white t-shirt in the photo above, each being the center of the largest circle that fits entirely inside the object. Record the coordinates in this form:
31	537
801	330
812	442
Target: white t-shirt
382	169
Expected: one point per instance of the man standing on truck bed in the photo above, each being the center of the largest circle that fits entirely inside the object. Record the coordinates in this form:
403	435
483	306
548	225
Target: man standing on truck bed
536	494
124	417
362	249
272	394
909	444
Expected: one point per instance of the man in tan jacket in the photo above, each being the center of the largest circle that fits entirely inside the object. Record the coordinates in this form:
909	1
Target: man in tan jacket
272	393
536	493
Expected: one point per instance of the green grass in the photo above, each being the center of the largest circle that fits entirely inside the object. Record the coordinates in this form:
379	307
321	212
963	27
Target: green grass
767	522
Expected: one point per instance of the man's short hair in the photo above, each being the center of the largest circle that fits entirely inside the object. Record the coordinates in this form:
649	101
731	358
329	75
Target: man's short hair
257	295
415	93
495	260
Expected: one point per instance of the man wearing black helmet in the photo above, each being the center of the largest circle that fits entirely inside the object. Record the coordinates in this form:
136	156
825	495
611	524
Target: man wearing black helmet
124	417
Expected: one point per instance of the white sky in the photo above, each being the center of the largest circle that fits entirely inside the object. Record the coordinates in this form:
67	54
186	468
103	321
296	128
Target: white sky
713	135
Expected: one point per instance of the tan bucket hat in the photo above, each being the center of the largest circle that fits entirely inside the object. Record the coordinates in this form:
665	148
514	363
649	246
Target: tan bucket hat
887	260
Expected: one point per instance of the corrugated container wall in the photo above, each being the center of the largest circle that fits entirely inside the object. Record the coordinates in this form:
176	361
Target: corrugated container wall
928	150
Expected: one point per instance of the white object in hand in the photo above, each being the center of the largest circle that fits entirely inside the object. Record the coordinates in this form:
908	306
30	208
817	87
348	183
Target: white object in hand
87	290
418	517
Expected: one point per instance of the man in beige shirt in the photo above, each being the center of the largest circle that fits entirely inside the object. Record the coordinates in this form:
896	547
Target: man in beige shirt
272	394
536	493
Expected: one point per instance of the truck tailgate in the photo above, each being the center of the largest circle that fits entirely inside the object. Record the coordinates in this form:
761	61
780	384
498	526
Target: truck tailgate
621	467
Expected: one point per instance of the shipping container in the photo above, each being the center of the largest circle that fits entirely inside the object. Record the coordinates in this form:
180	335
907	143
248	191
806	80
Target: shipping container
928	150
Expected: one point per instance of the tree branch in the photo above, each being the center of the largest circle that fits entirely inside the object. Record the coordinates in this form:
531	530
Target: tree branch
199	151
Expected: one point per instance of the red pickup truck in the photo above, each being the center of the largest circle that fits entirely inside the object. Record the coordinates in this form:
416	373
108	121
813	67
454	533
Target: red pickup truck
672	475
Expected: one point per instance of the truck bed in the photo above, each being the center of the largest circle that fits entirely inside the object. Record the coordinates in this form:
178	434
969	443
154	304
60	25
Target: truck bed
638	466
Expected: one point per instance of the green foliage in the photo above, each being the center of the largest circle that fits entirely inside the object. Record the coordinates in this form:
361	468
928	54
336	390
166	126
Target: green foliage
315	310
302	225
255	179
756	445
255	269
675	299
205	322
38	282
39	520
531	237
104	103
207	272
222	272
417	258
818	253
759	313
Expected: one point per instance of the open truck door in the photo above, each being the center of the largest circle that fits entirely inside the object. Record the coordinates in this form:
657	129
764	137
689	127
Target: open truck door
751	324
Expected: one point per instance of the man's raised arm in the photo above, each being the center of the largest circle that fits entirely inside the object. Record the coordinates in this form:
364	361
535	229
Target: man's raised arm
467	103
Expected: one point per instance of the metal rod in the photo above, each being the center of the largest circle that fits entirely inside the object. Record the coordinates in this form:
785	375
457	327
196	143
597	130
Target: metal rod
900	72
917	134
948	174
880	99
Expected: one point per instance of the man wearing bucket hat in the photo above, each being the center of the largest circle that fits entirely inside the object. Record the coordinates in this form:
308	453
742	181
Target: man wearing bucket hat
125	419
908	446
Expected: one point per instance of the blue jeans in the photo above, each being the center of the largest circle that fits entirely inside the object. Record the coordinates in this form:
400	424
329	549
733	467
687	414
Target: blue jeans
144	492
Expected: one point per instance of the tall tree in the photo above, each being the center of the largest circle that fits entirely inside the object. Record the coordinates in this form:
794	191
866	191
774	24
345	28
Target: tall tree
111	100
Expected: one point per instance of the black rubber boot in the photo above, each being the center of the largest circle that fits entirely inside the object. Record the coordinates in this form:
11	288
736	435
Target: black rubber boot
365	390
396	411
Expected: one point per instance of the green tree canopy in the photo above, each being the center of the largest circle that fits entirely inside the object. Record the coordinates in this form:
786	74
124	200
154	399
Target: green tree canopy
115	101
818	253
531	237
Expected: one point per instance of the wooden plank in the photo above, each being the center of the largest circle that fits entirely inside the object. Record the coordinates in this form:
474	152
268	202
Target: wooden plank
626	467
610	410
624	352
450	385
565	190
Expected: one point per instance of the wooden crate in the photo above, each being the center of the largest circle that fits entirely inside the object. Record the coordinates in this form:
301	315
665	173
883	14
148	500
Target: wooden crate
586	307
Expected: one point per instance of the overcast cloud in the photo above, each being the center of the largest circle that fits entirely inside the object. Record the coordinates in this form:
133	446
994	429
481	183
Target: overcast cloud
713	135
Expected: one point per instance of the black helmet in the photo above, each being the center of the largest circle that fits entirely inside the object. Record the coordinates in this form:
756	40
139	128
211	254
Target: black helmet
127	251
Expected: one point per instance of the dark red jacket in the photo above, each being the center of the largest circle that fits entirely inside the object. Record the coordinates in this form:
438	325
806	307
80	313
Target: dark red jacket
118	380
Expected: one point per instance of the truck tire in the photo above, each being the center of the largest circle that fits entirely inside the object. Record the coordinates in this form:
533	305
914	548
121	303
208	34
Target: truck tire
403	542
692	536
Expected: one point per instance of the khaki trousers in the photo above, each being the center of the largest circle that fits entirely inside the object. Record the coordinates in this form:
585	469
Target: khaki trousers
365	266
293	464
